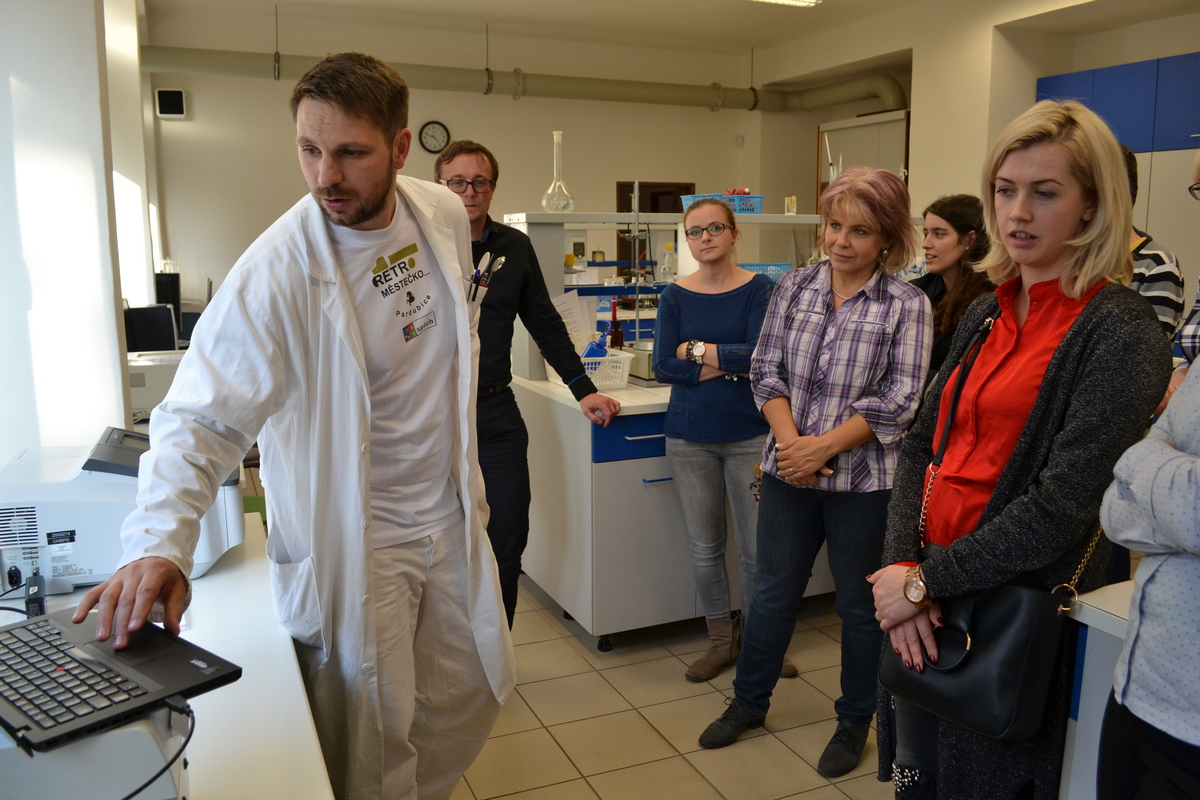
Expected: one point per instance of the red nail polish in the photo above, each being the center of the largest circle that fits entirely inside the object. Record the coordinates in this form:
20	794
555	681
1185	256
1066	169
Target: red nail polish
941	622
908	665
920	669
933	659
897	650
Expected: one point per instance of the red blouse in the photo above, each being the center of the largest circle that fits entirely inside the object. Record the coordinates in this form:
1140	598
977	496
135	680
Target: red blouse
996	401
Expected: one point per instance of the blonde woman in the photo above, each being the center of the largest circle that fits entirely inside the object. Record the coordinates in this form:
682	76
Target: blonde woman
1065	381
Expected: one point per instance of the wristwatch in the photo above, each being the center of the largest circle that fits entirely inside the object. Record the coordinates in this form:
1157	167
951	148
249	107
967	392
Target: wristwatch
698	349
915	589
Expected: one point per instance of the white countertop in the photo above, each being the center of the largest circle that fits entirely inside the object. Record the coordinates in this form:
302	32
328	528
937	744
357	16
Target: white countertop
1106	609
633	399
255	737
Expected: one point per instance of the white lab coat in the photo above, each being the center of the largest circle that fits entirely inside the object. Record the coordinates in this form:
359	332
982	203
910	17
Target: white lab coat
278	355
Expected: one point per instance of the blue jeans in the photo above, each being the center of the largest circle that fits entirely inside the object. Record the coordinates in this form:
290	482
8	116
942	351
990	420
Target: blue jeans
792	524
706	473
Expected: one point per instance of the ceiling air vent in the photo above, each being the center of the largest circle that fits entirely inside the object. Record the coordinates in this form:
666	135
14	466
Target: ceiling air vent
18	527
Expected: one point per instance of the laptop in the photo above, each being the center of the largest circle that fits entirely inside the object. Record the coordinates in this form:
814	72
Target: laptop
58	684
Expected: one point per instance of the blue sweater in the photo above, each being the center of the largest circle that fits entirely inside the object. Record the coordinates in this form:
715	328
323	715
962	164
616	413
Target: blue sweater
717	410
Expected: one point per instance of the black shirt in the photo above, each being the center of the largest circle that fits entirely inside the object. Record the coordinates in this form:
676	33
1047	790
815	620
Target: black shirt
935	289
518	288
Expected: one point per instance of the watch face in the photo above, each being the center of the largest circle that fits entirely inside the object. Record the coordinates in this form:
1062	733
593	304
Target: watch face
698	350
434	137
914	591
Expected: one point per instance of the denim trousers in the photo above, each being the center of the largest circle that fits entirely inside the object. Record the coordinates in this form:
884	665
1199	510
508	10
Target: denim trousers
792	524
706	474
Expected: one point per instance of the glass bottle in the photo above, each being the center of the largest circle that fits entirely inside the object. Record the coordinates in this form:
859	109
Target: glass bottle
558	197
616	339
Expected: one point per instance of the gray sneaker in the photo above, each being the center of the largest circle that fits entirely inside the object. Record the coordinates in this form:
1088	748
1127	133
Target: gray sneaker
844	750
729	726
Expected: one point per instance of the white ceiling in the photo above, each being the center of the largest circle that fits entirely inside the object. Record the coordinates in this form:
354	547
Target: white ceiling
726	26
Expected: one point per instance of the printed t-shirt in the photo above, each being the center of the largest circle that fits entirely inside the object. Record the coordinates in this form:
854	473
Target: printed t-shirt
406	319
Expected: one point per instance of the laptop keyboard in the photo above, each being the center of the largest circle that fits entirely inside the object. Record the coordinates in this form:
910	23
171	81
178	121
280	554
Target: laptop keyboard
54	682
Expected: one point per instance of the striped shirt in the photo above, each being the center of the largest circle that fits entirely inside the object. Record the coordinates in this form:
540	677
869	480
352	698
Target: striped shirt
869	356
1187	341
1156	277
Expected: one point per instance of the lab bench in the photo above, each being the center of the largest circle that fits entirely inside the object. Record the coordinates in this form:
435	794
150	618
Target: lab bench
606	534
255	737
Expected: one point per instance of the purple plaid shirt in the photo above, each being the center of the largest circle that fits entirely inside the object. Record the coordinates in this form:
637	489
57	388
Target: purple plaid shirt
869	356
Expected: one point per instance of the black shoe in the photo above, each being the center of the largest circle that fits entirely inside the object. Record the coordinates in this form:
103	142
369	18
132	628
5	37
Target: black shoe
729	726
844	750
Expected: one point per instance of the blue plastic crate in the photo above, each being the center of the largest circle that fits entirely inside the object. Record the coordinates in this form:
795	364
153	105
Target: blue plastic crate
773	270
740	203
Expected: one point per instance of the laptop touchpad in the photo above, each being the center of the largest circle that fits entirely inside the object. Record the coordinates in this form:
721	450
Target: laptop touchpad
144	644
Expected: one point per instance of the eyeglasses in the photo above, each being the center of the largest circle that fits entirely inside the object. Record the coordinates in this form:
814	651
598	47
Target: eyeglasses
458	185
1195	190
716	229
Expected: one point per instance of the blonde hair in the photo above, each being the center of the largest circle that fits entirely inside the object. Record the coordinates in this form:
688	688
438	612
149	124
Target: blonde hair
1102	248
880	198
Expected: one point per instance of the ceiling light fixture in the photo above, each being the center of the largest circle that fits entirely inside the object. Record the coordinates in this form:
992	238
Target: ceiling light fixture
800	3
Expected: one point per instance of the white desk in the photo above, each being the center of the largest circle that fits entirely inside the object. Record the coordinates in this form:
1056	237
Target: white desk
1104	613
255	737
606	533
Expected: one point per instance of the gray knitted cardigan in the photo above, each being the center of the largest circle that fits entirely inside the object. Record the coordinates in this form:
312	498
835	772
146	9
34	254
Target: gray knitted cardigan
1100	388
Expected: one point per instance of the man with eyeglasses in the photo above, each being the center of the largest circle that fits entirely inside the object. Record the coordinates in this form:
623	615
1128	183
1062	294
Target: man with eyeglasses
518	289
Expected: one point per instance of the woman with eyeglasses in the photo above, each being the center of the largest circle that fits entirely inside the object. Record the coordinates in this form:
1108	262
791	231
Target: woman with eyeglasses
1071	367
837	372
955	239
707	327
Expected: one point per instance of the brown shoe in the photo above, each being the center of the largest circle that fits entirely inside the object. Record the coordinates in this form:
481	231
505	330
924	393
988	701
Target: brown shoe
789	669
721	654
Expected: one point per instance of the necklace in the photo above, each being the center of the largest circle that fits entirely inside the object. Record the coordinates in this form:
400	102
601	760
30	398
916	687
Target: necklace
839	294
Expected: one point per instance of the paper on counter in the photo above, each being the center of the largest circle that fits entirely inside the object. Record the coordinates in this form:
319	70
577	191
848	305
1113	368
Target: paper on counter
568	306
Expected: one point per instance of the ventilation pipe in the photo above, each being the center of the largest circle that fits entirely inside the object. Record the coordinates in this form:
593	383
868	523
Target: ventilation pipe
517	84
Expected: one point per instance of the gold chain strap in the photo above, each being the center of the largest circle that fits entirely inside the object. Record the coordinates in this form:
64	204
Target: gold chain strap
1072	598
933	471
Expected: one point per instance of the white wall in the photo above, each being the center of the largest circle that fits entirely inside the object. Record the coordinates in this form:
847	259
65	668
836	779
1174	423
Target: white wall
60	360
229	171
128	150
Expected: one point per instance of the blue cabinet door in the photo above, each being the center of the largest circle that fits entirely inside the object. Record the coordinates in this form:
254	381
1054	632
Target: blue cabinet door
629	437
1125	97
1070	86
1177	105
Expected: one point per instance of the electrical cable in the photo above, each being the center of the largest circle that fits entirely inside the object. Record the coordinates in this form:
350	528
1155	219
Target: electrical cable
14	589
182	708
16	610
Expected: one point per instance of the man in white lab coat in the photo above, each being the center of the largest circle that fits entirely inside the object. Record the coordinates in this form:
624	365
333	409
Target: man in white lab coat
344	341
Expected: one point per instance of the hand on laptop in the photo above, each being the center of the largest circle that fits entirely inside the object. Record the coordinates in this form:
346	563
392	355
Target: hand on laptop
124	601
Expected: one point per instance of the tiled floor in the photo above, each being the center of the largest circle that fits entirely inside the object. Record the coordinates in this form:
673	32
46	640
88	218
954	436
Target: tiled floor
622	725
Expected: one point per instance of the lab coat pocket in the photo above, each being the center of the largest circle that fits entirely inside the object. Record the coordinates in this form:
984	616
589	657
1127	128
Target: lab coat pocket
297	605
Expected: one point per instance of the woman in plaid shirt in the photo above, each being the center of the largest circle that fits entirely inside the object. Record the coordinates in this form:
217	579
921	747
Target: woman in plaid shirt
837	373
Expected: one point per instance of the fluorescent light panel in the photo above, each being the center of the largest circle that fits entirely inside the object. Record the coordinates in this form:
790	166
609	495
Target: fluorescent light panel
800	3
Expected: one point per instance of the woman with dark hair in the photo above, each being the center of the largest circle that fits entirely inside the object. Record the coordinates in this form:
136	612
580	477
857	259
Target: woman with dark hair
707	327
1064	382
837	373
955	239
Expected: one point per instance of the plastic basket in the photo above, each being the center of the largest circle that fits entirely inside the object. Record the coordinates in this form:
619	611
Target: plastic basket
773	270
740	203
607	372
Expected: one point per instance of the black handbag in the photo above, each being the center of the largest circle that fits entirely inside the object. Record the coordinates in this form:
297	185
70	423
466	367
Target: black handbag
997	649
